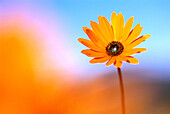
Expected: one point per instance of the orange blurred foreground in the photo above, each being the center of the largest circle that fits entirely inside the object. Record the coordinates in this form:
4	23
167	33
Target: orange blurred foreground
23	89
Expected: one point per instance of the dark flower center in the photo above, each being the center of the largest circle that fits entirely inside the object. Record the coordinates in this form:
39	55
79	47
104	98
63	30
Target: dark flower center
114	48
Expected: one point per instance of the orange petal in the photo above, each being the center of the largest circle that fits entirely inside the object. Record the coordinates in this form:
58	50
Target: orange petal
92	37
111	61
121	58
118	63
137	41
100	60
90	44
96	28
91	53
127	28
117	22
106	28
134	34
132	60
133	51
119	29
114	24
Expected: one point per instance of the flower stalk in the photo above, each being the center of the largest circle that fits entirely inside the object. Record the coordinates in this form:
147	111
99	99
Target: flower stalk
122	90
114	43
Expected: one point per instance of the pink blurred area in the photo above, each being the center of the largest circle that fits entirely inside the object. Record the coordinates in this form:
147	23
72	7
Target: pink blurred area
47	28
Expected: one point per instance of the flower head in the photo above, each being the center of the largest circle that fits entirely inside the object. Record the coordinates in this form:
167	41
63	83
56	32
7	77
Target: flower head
113	43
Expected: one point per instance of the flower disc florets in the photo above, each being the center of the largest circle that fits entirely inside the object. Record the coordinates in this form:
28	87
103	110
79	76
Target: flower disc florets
114	48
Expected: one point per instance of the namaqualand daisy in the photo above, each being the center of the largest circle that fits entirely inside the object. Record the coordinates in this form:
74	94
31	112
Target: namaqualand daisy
113	43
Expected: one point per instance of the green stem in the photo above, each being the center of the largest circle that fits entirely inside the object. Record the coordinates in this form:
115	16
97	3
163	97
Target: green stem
122	90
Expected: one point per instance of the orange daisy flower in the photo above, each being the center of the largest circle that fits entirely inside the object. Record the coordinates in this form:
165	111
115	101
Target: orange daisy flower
113	43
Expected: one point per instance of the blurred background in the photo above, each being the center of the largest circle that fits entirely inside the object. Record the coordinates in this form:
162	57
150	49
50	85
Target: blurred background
43	72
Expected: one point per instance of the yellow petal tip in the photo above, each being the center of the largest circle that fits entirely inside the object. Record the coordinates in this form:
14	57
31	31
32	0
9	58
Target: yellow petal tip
147	36
99	16
114	13
108	65
79	39
120	13
91	61
138	24
84	29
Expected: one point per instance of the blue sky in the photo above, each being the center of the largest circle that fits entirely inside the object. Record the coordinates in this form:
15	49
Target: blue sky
153	15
